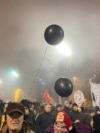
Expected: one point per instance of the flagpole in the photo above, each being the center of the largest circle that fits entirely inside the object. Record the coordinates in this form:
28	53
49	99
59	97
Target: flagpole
60	100
92	94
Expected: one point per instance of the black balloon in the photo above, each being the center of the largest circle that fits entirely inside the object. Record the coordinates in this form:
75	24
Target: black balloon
63	87
54	34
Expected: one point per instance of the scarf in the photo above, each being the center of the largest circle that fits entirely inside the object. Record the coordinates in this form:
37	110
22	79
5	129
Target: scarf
60	129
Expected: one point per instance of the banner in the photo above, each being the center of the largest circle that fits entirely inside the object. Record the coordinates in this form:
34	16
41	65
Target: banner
95	93
79	97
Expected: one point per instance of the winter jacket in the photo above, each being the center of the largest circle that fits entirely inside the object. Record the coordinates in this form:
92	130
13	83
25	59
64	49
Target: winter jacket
96	120
43	121
30	119
74	115
67	110
83	128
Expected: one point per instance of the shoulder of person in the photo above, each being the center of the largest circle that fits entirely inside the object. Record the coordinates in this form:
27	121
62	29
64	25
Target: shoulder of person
30	131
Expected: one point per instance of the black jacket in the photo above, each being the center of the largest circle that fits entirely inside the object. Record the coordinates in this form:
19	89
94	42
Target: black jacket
67	110
43	121
30	119
96	123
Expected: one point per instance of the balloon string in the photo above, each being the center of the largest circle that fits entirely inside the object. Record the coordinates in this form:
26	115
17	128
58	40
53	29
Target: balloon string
38	70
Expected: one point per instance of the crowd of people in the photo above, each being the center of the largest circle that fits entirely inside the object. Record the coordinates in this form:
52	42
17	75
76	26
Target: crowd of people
32	117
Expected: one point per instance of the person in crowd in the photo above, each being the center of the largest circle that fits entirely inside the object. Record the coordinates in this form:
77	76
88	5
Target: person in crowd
59	107
67	107
35	108
85	125
31	107
92	111
15	119
96	121
56	108
45	119
75	114
29	118
62	124
3	116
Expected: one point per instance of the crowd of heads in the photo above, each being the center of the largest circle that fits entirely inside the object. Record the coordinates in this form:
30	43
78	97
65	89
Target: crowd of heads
15	113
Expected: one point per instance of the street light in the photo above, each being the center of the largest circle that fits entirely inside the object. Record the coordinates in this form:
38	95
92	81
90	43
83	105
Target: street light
64	49
14	73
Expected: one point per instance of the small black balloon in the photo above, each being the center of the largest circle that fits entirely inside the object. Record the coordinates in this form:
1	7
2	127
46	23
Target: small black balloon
63	87
54	34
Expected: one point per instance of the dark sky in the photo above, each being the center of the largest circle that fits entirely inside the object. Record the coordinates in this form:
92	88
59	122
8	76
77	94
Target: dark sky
24	49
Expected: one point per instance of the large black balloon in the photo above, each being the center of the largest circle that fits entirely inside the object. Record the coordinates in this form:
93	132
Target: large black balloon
54	34
63	87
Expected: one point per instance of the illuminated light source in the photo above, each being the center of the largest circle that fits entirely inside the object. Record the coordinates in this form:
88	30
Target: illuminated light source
74	78
14	73
43	83
1	81
64	49
17	94
41	80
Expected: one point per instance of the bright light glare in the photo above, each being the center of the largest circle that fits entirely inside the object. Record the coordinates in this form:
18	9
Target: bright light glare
0	81
74	78
64	49
14	73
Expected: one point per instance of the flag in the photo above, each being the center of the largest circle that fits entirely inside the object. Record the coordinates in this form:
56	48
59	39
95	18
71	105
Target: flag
46	96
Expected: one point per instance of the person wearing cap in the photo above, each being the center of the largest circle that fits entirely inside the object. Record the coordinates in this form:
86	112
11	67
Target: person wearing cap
15	119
